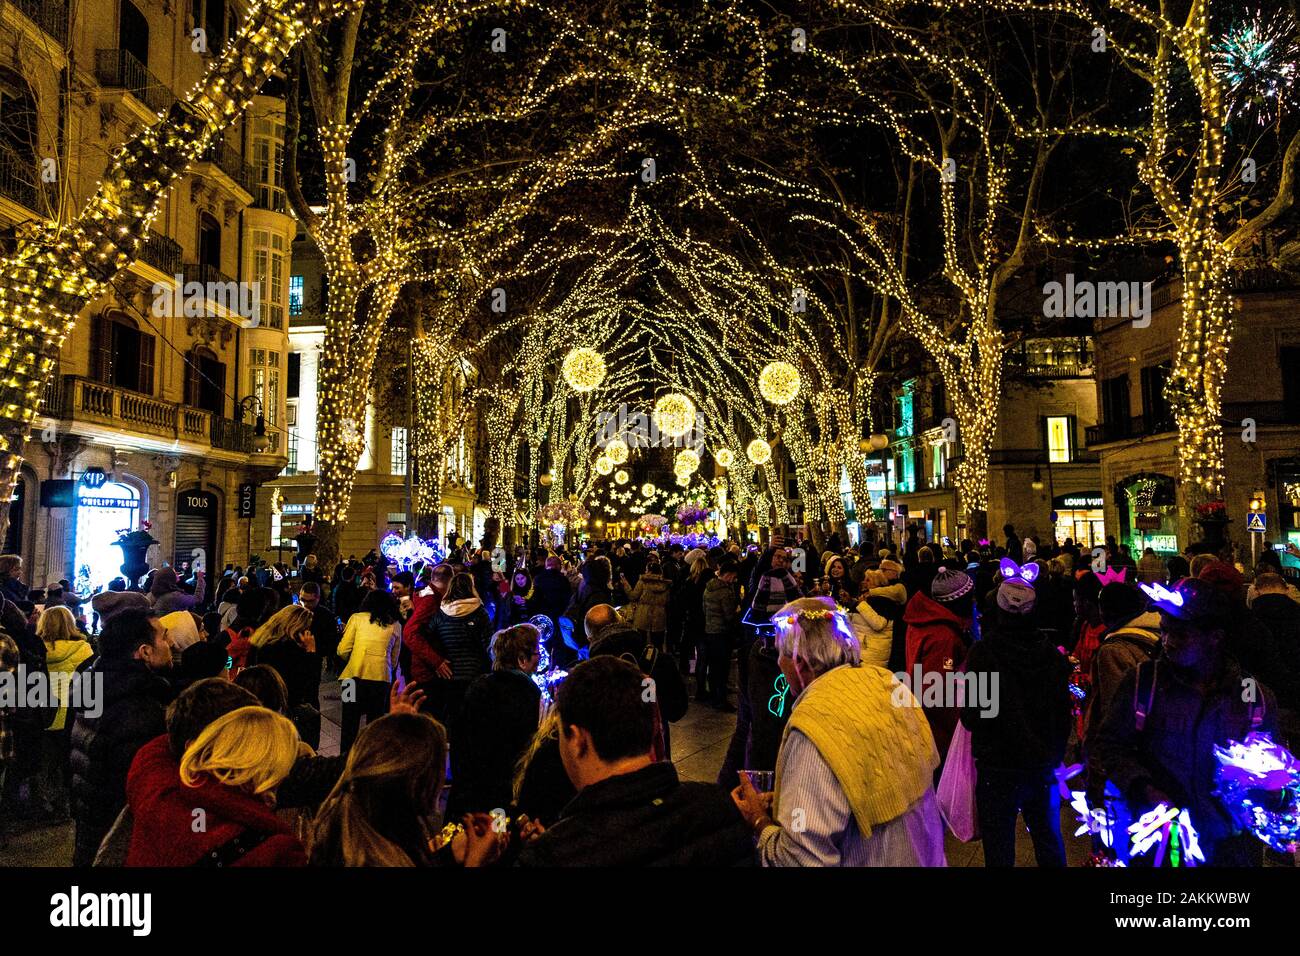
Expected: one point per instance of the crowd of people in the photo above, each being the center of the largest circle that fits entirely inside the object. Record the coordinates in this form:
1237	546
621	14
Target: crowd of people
454	749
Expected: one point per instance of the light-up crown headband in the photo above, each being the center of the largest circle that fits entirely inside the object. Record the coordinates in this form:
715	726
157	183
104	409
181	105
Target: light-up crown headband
1113	575
1009	569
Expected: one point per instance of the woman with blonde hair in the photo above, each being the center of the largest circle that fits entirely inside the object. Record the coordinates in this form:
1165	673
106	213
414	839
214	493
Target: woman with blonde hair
378	812
67	654
287	644
227	781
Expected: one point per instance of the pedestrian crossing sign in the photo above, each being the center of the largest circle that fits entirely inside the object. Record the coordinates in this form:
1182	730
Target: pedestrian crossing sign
1255	521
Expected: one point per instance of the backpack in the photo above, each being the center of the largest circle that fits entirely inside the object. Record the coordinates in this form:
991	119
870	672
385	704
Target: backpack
645	662
35	718
1144	697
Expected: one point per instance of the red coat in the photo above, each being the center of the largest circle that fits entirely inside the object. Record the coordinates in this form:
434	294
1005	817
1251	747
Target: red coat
163	818
239	648
425	661
936	641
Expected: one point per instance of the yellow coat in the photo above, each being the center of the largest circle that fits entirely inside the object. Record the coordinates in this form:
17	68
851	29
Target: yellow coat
371	649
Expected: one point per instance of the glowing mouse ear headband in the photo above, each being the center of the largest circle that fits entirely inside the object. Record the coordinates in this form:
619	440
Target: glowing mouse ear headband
1009	568
1168	600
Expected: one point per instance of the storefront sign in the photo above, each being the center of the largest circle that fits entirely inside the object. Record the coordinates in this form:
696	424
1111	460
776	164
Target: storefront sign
97	501
1078	500
93	477
1147	521
247	500
1160	542
199	503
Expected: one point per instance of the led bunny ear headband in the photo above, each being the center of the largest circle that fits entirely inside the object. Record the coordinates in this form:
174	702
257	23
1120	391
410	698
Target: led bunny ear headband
1009	568
1113	575
1162	595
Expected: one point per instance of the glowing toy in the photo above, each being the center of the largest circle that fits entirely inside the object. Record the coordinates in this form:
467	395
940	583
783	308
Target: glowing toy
1009	569
1248	771
1170	831
1162	596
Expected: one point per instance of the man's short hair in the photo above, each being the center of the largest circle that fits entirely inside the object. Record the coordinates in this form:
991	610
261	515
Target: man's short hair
1270	583
127	632
199	705
309	587
606	697
404	577
729	566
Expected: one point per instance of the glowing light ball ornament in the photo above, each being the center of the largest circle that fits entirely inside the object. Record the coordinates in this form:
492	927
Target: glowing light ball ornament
674	415
648	490
759	452
583	369
686	462
620	477
683	479
779	383
724	457
617	451
603	465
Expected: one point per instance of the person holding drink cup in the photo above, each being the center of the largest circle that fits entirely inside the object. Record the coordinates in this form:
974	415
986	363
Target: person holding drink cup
854	776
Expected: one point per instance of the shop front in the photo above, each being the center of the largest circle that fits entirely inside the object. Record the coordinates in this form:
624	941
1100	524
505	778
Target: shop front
1148	513
1080	515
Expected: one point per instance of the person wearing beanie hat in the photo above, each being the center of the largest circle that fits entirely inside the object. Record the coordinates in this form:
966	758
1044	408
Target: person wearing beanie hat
1018	740
109	604
1157	738
937	638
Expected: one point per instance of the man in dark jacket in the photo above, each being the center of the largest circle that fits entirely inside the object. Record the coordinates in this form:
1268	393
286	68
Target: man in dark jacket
607	634
1156	743
551	592
1279	660
630	810
133	695
1019	730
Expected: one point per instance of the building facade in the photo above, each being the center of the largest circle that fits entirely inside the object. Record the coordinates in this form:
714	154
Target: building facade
1137	440
170	394
1042	476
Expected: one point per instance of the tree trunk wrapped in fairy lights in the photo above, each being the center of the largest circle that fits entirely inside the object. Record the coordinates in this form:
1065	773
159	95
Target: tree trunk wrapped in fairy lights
57	268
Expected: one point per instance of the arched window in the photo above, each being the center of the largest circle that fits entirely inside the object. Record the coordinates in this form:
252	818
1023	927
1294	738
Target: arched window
133	33
212	16
120	353
205	381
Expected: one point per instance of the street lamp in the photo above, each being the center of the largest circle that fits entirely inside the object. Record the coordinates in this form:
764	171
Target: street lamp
260	442
880	442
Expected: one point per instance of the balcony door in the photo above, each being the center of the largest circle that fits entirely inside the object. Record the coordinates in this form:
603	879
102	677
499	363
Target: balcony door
205	381
120	353
133	33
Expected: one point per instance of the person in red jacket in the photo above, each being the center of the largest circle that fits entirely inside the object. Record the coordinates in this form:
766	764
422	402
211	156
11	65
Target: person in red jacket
427	665
938	637
216	806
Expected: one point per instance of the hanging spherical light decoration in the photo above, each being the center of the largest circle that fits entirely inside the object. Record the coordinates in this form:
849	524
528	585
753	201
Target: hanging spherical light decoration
648	490
724	457
603	465
620	477
686	461
674	415
583	369
683	479
617	451
759	452
779	383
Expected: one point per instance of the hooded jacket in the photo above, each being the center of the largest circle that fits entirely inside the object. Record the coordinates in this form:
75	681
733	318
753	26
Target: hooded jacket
720	607
1118	654
1027	722
460	632
650	595
163	813
66	657
875	634
936	643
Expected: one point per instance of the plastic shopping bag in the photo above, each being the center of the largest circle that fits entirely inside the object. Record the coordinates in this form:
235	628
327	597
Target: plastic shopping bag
957	788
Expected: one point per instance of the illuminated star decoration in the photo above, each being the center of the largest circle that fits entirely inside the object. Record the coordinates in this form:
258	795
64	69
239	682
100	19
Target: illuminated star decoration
1258	61
1170	831
1161	595
1260	764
